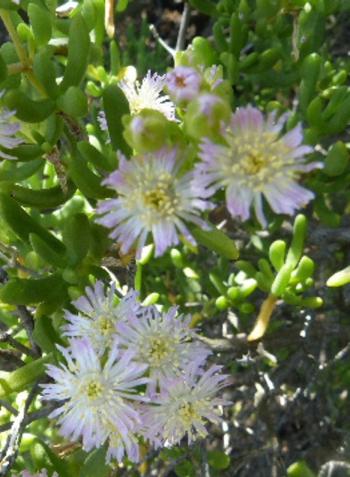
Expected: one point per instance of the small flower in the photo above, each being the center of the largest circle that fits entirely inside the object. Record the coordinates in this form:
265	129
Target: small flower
153	198
257	161
97	400
99	315
148	95
184	406
7	133
183	83
163	341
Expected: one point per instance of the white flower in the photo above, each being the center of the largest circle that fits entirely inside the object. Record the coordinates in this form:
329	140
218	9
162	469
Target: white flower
184	406
148	95
154	197
255	160
96	399
99	314
164	341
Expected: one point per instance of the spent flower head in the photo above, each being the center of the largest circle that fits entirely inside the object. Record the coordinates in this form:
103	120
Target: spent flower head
185	405
97	400
154	197
183	83
255	161
164	341
148	95
98	315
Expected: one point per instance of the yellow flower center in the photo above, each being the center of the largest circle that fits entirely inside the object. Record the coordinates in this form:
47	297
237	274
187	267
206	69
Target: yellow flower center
188	413
255	161
162	197
94	390
106	326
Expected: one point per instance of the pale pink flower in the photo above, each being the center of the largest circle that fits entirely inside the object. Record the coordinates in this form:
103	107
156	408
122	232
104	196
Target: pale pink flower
184	406
162	340
256	161
97	400
183	83
154	198
98	315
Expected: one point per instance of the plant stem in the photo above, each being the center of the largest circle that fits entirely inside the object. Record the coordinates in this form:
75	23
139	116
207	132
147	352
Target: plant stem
263	318
21	52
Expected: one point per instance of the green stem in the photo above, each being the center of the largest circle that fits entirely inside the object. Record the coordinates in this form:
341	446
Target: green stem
21	52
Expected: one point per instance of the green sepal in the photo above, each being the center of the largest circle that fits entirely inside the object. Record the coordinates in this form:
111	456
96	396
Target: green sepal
281	280
44	198
115	106
297	246
78	53
277	252
21	378
46	252
217	241
28	291
40	19
27	109
44	70
337	159
76	237
73	102
87	181
23	224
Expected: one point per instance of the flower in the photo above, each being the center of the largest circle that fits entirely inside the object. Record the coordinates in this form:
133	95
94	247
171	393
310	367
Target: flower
256	161
99	315
163	341
184	406
183	83
7	133
148	95
153	198
97	400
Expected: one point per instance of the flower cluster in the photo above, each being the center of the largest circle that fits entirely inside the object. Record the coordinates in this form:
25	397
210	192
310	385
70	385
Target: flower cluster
176	169
131	371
